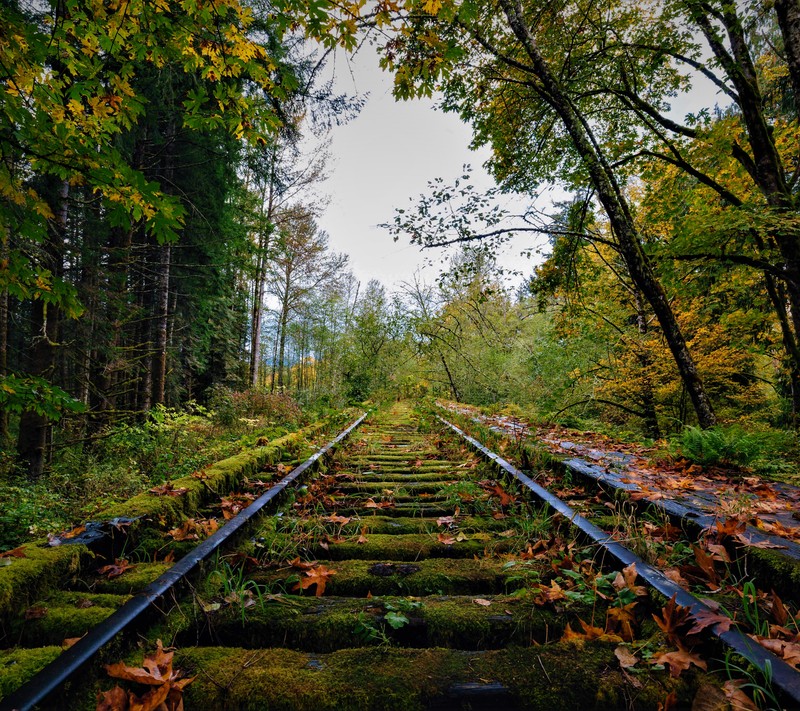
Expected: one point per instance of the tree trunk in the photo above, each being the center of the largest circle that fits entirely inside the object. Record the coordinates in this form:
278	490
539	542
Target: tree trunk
618	213
4	250
788	13
35	428
159	367
259	282
645	361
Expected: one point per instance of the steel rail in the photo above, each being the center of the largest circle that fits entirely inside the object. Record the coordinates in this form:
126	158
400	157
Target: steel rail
45	682
783	676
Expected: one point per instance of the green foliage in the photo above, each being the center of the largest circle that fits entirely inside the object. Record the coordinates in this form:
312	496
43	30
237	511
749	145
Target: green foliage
29	511
36	394
230	407
732	446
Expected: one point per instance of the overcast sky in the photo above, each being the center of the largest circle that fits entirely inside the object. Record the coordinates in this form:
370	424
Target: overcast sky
380	159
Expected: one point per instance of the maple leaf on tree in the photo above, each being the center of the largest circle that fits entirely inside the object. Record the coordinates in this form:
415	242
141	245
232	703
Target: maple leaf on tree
115	569
318	575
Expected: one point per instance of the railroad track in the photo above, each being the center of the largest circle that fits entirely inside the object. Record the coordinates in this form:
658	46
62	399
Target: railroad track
416	570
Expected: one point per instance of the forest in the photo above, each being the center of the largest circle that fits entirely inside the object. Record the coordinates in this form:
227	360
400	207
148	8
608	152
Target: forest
164	280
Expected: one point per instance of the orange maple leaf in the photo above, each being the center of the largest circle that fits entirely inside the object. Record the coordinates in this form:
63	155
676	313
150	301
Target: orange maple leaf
319	576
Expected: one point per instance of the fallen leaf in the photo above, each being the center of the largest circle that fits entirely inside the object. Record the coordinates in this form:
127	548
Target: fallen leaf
710	698
708	618
319	576
482	601
626	657
679	661
739	700
363	537
116	569
168	489
671	618
114	700
14	553
446	538
35	613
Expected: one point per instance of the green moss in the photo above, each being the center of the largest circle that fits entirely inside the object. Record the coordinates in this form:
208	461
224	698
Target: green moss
131	581
18	665
776	571
552	677
424	577
23	580
58	624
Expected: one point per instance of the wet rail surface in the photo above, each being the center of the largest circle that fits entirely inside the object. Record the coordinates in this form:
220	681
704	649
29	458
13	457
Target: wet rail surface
408	574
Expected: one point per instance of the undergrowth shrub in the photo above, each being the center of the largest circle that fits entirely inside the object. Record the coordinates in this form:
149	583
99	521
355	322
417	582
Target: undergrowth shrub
231	407
734	447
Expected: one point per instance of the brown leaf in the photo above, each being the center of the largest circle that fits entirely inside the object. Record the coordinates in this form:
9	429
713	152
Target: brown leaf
116	569
679	661
363	537
671	618
670	702
446	538
69	641
114	700
779	613
627	579
626	657
739	700
335	518
74	532
302	564
168	489
482	602
14	553
708	618
152	700
35	613
710	698
706	564
445	520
